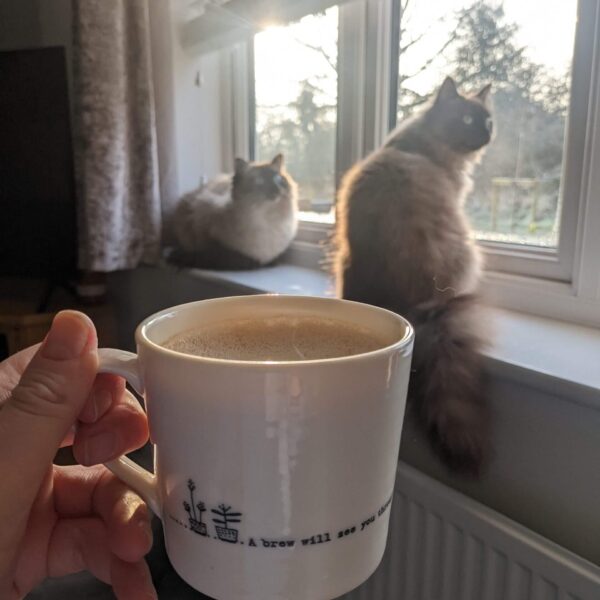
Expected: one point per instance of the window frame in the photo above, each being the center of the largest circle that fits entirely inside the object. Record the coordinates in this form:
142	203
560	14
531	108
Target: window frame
560	283
558	263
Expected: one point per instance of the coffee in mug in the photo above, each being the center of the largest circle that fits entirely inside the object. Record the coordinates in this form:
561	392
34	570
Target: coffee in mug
277	338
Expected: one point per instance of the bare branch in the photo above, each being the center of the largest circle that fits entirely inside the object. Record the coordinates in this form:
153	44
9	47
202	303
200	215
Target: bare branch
430	60
441	51
413	41
417	100
320	51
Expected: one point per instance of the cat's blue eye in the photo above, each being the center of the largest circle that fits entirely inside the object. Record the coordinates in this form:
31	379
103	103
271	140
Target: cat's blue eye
467	119
489	124
277	179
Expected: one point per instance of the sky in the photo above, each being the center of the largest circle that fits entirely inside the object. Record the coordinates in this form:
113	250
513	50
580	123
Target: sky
282	62
548	36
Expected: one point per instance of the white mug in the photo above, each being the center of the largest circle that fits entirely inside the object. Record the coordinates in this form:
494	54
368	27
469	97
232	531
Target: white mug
273	480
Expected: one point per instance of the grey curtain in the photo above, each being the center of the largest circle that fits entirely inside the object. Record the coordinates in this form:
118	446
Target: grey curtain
115	139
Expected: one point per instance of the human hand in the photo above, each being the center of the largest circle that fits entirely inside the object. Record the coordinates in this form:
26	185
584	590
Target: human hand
60	520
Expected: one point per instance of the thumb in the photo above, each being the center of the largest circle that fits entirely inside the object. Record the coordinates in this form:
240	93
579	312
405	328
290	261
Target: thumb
46	403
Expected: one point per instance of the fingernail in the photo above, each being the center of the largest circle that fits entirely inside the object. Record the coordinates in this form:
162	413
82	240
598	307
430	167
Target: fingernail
68	336
100	447
101	401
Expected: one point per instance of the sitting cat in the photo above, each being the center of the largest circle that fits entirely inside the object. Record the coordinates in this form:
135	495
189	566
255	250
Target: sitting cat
240	222
403	242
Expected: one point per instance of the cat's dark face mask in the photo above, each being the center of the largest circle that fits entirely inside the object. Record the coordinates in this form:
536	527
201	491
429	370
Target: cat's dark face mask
267	183
261	183
464	123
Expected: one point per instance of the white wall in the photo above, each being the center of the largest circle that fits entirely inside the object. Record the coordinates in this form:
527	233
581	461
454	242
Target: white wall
198	116
188	106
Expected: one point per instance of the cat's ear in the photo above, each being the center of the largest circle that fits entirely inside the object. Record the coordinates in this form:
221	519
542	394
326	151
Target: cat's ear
240	166
277	162
447	90
484	93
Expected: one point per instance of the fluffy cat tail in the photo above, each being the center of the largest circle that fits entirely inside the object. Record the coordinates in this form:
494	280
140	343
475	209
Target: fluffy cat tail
448	384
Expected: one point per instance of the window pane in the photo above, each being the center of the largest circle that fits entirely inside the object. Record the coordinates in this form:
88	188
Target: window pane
525	49
296	105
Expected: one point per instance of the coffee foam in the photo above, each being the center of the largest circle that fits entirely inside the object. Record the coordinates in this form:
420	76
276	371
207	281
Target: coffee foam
277	338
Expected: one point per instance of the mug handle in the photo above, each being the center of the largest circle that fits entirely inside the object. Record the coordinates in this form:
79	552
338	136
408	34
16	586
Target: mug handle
125	364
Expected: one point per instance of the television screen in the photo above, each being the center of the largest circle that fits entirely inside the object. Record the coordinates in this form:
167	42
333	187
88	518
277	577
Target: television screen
38	235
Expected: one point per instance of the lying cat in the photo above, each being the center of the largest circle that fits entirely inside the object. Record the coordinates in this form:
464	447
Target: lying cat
403	242
240	222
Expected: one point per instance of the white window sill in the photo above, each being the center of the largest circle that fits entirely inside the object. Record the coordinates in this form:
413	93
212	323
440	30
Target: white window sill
280	279
557	357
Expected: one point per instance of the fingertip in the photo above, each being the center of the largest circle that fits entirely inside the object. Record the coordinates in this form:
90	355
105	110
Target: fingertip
132	580
131	545
144	526
71	334
131	539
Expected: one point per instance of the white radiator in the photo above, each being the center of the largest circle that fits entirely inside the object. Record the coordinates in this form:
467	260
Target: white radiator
445	546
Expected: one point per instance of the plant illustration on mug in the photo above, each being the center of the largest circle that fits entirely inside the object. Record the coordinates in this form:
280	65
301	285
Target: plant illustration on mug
222	524
195	511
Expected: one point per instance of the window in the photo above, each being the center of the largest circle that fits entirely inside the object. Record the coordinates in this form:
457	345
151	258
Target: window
328	88
295	81
527	57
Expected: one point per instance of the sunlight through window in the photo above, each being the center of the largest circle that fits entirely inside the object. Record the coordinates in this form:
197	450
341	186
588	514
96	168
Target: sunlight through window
296	105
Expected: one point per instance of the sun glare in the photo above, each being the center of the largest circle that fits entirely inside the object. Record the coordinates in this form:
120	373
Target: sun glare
285	56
